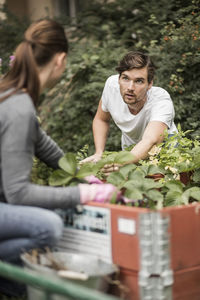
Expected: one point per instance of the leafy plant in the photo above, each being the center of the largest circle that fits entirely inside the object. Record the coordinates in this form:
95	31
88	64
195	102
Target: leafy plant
175	193
70	173
40	172
120	158
146	192
177	154
132	180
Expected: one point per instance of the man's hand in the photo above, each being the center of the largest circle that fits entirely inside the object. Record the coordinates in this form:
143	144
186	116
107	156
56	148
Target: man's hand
93	158
109	168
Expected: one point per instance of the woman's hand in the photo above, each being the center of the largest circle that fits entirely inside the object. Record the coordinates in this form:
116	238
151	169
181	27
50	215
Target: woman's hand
101	193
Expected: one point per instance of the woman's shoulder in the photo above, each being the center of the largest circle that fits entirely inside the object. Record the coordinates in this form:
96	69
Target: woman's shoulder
19	104
19	99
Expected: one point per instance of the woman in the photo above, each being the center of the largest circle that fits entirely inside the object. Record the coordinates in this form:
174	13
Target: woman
25	208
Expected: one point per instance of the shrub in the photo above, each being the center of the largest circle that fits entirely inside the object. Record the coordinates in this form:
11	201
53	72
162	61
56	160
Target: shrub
68	111
11	33
178	61
101	38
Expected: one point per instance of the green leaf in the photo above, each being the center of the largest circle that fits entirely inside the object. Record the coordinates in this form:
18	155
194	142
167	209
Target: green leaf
143	169
123	157
116	179
113	199
173	198
68	163
134	194
125	170
59	178
153	169
131	184
151	184
193	192
155	195
196	176
160	204
174	185
86	170
136	174
75	182
116	157
107	160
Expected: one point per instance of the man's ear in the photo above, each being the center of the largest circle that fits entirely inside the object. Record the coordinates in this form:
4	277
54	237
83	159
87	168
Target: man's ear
150	84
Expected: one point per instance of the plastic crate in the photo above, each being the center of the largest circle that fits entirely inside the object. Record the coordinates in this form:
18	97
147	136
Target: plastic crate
152	248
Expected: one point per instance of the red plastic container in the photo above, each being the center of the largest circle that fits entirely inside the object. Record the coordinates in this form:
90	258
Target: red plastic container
185	287
184	234
184	247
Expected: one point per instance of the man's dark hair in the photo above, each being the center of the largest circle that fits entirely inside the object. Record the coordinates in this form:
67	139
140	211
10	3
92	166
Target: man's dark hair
136	60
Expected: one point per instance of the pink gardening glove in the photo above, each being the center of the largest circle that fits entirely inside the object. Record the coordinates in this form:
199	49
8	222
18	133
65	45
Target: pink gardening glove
93	179
101	193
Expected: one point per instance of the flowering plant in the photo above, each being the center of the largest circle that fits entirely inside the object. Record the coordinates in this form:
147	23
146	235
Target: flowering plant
176	155
171	159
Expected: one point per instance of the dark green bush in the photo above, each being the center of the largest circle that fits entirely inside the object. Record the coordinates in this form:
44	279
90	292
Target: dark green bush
102	37
177	56
168	30
11	33
68	112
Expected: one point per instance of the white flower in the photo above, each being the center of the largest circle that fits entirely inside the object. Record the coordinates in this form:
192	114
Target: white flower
173	170
154	161
135	11
134	36
154	150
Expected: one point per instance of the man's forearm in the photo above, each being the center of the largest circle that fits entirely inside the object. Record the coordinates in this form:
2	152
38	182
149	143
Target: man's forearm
140	151
100	133
153	135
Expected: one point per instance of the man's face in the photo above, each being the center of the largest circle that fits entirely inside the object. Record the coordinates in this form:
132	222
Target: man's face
134	86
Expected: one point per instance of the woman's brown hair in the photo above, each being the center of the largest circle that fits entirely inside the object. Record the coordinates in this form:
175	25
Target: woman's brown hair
42	40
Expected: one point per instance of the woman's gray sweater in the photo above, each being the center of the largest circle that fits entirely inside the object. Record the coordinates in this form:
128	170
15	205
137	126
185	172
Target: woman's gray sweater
21	138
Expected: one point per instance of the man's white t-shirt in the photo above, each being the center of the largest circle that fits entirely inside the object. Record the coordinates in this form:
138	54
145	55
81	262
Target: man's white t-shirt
158	107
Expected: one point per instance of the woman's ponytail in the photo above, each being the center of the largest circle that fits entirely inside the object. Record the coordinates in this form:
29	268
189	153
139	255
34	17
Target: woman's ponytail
42	40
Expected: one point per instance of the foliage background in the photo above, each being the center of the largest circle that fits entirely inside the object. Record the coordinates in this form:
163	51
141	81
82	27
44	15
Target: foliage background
167	30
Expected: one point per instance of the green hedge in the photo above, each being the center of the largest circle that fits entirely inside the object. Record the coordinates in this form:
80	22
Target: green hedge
103	35
168	30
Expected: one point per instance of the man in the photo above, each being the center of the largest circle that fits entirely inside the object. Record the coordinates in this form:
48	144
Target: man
141	111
